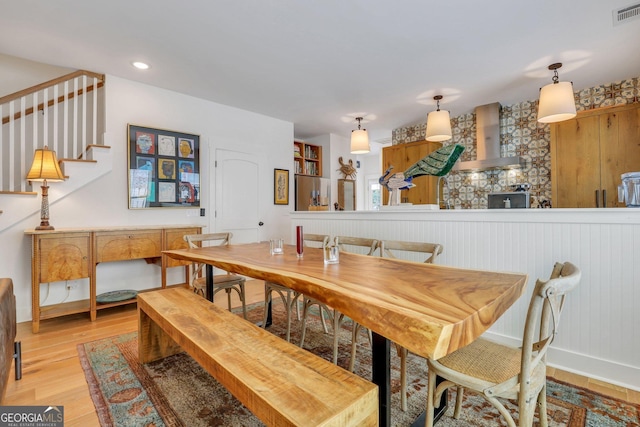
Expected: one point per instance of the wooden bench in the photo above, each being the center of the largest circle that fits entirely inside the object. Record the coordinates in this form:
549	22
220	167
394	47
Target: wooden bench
279	382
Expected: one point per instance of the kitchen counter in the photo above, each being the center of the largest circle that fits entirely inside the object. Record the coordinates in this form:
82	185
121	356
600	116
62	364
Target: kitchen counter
595	335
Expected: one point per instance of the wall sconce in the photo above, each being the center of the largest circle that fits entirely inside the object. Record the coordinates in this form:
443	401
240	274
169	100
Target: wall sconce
359	140
557	102
45	168
438	123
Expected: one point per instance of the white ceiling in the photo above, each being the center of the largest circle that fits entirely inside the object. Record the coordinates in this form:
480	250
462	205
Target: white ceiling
319	64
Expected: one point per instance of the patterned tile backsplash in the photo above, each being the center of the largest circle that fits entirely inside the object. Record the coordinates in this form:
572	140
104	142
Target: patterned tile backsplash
520	135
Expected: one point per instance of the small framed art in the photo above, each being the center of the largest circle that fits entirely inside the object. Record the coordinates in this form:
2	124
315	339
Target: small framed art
280	187
164	168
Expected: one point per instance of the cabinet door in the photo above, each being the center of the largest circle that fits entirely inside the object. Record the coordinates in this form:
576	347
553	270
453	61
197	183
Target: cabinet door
576	162
64	257
619	150
174	239
392	156
126	245
425	190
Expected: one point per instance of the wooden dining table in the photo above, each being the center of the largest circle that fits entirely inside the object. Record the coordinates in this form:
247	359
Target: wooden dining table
432	310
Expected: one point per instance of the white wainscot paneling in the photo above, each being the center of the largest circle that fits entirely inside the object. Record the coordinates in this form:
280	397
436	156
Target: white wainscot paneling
598	334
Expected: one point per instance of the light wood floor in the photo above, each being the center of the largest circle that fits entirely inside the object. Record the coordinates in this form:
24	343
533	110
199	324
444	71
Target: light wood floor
52	375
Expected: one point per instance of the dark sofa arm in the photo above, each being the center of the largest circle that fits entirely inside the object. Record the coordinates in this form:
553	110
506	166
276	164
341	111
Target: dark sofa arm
11	348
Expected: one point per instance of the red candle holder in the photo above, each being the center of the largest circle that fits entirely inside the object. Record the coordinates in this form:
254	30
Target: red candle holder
299	241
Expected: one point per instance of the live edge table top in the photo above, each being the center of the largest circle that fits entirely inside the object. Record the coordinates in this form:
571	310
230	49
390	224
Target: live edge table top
431	310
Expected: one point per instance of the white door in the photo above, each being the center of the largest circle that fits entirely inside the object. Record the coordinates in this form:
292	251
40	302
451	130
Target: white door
236	209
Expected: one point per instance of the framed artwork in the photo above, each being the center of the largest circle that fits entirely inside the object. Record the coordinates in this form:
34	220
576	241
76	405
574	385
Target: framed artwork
280	187
164	168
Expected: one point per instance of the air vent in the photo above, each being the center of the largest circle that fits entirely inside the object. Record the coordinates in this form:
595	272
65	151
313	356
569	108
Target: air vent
626	14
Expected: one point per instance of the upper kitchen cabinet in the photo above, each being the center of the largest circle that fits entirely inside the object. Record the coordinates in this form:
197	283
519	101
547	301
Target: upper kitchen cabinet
403	156
590	152
307	159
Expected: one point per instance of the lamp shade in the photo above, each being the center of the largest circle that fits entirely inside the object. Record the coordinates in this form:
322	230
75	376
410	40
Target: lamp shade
45	166
438	126
557	103
359	141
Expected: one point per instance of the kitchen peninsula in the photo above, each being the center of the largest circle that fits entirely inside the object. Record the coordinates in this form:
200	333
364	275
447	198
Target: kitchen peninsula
596	338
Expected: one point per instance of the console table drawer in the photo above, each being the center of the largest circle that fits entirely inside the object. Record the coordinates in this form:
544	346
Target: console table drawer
174	239
122	246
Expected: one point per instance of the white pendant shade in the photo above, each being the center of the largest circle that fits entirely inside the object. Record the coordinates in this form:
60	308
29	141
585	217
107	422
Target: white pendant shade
359	141
438	126
557	103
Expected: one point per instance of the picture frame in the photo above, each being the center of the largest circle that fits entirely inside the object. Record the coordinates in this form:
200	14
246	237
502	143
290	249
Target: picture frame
163	168
280	187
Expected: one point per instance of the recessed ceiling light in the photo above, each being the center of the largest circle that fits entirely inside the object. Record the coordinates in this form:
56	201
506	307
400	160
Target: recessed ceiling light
140	65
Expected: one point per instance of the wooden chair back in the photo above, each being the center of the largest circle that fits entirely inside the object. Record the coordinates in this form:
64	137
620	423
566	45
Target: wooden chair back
212	239
197	268
543	317
361	245
316	240
431	249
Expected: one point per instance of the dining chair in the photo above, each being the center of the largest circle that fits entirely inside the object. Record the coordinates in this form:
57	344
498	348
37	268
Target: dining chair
499	371
360	245
226	281
289	296
391	249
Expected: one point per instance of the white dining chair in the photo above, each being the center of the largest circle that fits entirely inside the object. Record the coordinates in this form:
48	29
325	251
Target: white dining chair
391	249
290	297
365	246
221	282
496	370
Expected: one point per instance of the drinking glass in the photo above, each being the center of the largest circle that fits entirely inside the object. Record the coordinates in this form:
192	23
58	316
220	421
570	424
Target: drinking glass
276	246
331	255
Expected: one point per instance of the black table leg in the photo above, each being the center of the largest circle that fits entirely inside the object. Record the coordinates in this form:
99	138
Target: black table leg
209	282
209	291
381	376
269	319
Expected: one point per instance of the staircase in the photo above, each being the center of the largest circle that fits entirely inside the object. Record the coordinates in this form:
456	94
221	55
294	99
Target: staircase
67	114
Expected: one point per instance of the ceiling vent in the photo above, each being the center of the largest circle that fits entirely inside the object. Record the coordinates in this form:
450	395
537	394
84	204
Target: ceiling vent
626	14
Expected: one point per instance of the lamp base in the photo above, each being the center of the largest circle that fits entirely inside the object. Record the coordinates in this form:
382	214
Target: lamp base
44	209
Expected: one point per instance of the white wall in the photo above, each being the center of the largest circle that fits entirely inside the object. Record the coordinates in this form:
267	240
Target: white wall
17	73
334	147
103	202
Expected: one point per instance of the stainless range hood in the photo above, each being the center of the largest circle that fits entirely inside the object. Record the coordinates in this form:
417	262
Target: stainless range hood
488	141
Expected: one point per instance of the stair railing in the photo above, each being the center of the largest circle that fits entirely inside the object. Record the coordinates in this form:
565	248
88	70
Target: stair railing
66	114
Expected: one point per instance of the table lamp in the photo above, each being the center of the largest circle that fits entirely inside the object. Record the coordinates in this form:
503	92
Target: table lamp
45	168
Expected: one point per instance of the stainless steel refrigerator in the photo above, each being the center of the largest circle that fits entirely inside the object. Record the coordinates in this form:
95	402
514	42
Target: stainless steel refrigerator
313	193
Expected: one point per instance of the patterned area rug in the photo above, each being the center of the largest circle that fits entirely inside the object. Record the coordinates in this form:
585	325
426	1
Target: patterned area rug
176	391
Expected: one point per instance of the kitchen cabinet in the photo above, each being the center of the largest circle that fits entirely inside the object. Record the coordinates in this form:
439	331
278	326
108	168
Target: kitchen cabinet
590	152
403	156
307	159
71	254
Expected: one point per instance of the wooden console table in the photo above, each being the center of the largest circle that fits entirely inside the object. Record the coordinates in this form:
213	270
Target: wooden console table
74	253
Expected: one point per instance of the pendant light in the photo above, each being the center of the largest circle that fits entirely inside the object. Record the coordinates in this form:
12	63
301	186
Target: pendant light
359	140
438	123
557	102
